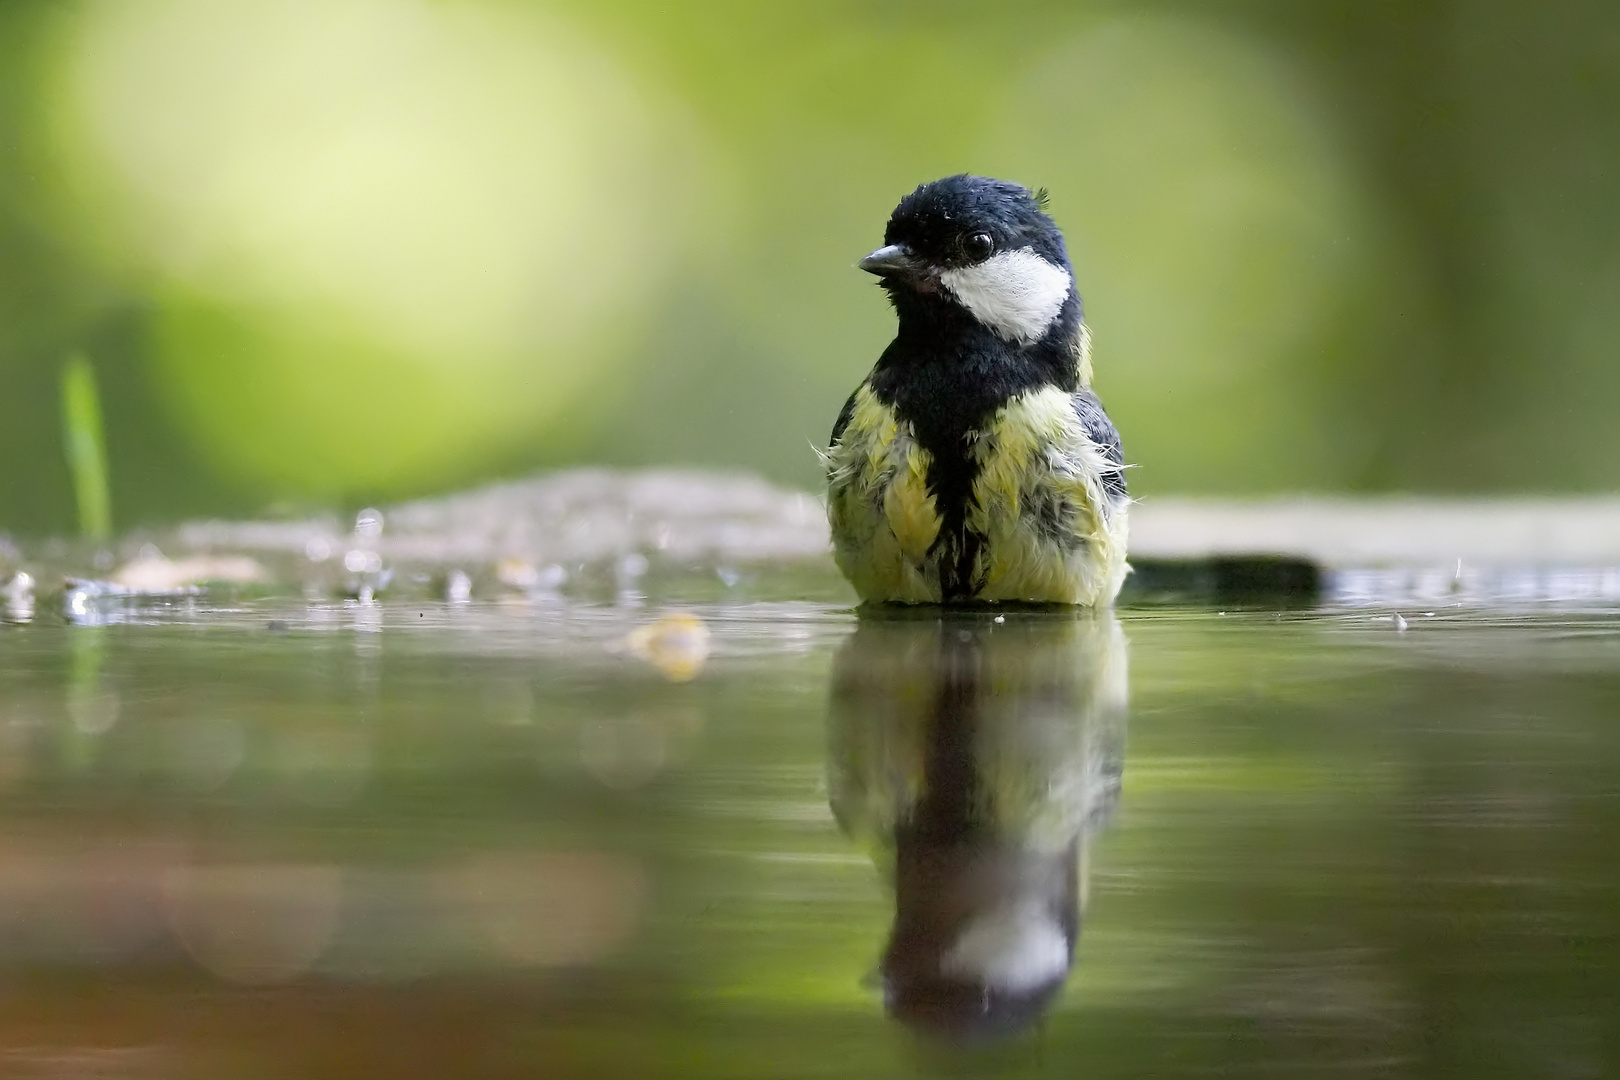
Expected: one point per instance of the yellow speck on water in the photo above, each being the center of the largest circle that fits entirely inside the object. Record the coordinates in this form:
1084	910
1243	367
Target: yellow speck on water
677	645
517	574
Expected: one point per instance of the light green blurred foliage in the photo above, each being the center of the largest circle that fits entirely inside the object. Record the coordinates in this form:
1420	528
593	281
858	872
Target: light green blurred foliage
1216	231
1205	204
384	238
371	248
1537	96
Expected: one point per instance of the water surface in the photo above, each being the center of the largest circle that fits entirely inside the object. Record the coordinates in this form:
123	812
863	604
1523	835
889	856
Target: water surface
485	839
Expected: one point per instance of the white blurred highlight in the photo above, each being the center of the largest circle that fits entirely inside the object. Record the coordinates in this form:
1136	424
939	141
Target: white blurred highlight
1017	948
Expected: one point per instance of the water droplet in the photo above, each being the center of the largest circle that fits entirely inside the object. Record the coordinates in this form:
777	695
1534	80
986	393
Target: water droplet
358	561
368	523
458	587
78	604
19	596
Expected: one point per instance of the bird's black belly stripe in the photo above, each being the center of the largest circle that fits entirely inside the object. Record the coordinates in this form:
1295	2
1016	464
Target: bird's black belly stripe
948	811
950	480
946	376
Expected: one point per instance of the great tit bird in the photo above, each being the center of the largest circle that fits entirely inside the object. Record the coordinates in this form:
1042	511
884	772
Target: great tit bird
975	464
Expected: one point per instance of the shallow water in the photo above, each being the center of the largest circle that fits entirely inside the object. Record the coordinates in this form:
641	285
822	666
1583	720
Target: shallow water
484	839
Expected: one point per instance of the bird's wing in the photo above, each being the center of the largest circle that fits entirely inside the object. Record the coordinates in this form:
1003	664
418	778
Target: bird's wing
1100	430
844	415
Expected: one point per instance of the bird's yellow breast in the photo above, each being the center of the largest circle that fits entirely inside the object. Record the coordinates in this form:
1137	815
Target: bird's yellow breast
1038	514
1049	532
884	519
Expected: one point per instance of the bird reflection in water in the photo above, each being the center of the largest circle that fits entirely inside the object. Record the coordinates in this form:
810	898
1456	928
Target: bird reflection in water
975	755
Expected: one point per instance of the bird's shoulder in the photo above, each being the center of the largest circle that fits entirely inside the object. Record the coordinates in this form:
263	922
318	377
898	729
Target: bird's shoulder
841	424
867	416
1100	430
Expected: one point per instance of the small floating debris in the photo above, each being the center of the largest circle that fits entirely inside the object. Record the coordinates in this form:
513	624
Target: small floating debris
93	602
677	645
517	574
92	589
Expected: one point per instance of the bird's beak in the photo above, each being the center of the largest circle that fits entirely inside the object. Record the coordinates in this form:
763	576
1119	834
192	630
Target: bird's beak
888	259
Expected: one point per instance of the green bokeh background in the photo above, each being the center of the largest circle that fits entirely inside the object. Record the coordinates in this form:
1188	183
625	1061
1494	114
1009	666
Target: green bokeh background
1343	246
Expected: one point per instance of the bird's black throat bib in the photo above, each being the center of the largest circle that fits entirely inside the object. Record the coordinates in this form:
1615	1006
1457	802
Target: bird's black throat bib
946	375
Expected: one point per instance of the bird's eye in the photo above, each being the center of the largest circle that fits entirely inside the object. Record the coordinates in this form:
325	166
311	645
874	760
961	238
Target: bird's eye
978	246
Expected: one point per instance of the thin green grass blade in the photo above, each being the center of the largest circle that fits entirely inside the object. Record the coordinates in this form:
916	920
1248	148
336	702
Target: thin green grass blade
86	447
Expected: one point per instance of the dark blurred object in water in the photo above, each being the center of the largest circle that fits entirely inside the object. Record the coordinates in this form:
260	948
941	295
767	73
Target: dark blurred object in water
975	754
1226	579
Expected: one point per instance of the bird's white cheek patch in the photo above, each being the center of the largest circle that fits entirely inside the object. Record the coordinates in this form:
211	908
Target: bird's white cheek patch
1017	294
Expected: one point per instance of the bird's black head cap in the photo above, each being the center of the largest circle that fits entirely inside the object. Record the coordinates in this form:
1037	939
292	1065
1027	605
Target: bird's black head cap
943	222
